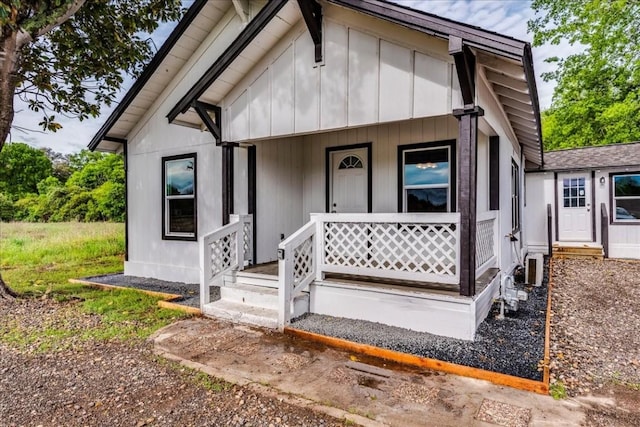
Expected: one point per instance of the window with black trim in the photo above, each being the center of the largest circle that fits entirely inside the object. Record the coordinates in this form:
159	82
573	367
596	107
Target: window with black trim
626	197
515	196
179	215
426	178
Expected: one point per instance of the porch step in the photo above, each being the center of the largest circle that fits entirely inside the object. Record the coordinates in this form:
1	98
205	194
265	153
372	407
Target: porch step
251	304
254	279
565	251
242	313
258	296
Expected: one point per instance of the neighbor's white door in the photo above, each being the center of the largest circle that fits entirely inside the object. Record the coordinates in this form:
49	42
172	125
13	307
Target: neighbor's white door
574	207
349	188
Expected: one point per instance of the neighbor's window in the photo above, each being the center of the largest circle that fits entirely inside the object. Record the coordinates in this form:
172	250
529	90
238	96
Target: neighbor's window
515	197
426	179
179	215
626	197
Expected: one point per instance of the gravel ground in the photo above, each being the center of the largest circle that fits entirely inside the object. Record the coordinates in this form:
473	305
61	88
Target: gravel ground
97	383
190	291
513	346
595	338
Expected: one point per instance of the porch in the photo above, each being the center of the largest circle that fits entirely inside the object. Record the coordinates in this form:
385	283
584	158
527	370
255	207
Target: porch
399	269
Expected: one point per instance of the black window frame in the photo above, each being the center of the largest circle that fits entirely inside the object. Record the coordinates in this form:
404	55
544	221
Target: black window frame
612	199
516	219
451	145
166	235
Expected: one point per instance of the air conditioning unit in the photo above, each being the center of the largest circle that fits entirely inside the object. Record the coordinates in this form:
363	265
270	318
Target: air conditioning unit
534	264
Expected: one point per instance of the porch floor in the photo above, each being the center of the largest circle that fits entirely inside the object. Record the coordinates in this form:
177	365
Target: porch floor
271	269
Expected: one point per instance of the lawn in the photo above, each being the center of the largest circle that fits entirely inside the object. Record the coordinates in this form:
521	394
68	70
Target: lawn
36	261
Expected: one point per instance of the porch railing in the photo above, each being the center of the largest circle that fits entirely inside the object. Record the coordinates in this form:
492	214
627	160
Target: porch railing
396	246
223	250
296	267
414	247
486	224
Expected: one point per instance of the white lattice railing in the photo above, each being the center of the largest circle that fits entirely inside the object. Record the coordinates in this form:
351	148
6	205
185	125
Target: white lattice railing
296	267
404	246
485	241
223	250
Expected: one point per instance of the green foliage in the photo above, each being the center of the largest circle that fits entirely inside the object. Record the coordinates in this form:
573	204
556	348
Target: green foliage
597	96
557	390
78	66
93	192
6	208
22	168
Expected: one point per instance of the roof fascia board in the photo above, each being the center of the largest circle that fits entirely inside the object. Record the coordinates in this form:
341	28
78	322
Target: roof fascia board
253	28
148	71
527	61
437	26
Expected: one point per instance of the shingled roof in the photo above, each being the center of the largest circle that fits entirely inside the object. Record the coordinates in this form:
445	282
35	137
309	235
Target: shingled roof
604	156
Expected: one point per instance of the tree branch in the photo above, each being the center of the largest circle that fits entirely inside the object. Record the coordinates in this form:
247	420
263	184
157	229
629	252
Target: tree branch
24	37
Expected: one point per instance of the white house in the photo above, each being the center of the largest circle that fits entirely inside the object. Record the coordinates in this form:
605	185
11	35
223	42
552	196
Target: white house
372	153
586	197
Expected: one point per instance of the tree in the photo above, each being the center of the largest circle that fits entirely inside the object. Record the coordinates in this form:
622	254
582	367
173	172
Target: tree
597	97
22	168
68	56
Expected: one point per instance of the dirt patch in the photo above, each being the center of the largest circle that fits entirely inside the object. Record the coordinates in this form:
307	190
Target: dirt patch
595	344
95	383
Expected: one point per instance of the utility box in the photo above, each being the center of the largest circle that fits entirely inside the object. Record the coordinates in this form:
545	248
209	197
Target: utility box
534	265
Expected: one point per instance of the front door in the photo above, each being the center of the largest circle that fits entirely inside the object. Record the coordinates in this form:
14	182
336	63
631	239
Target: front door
348	182
574	207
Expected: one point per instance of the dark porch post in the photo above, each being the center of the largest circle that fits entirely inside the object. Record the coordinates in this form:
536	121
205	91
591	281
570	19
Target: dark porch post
227	181
467	142
467	117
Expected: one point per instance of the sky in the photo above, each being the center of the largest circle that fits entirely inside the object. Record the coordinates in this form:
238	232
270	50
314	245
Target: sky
507	17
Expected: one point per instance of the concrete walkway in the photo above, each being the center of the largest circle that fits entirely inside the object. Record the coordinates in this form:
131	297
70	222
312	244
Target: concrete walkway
364	390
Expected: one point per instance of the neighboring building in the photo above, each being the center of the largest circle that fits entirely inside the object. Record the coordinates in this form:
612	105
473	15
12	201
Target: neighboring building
405	132
593	194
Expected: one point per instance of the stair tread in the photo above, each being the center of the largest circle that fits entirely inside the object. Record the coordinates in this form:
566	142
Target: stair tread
242	313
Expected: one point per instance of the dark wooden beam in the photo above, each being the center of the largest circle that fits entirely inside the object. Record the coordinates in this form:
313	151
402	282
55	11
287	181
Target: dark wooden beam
312	14
467	187
252	195
125	152
465	67
122	141
227	181
253	28
213	125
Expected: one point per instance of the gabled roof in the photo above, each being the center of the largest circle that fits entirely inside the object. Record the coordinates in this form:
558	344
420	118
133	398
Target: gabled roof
506	64
603	156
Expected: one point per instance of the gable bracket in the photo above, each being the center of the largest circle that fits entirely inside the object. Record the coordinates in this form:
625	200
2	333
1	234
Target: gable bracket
312	14
465	67
213	125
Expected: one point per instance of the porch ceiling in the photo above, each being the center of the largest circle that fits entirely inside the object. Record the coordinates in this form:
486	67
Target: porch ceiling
513	89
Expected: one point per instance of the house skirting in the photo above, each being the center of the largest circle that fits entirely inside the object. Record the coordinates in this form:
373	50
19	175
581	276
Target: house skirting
171	273
423	311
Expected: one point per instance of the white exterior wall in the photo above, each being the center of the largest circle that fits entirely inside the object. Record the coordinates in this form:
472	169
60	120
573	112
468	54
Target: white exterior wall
539	193
153	138
149	255
509	255
365	78
624	240
291	173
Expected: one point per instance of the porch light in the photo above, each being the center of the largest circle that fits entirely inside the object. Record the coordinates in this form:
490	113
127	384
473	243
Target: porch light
426	165
602	180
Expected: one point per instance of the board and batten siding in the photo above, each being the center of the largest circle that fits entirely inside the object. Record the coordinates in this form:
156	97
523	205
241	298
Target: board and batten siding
365	79
291	173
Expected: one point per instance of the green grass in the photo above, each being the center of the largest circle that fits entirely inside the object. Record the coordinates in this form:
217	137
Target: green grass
36	260
557	390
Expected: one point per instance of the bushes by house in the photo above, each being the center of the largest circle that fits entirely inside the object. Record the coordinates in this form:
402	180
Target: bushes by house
40	185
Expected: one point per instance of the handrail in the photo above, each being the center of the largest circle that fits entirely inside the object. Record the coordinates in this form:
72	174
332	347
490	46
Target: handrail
296	268
604	229
223	250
